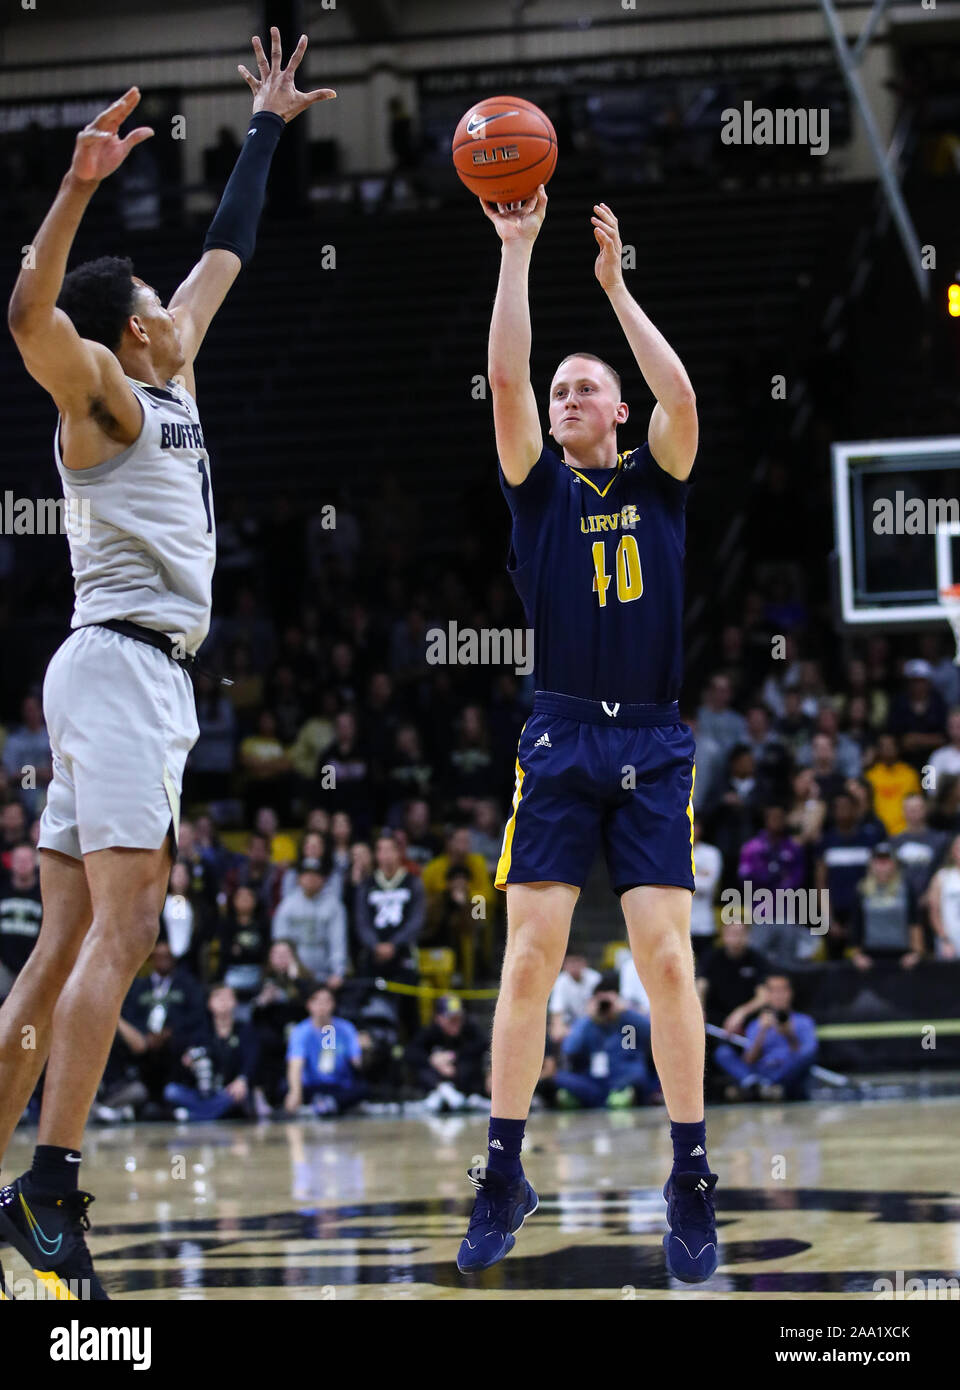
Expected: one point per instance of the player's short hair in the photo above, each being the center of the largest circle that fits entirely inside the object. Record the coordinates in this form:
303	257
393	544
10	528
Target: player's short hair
592	357
98	297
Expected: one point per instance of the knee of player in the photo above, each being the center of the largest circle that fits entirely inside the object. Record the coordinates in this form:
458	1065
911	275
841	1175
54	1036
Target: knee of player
668	966
530	968
129	932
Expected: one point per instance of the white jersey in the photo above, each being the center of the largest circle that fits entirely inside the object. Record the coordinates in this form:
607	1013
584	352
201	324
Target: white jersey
709	868
142	534
950	904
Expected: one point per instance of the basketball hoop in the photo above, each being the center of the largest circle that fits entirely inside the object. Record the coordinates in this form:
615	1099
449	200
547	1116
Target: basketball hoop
950	603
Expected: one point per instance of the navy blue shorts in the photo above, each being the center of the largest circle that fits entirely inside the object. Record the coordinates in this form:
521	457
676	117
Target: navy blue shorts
625	783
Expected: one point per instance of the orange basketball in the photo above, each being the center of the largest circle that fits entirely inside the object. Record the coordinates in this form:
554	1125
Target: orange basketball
504	148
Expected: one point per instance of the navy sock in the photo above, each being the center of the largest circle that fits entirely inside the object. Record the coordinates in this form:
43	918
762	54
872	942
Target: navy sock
505	1140
54	1170
690	1147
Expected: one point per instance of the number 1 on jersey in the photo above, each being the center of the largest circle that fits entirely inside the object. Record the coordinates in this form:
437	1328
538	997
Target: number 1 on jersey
205	491
627	565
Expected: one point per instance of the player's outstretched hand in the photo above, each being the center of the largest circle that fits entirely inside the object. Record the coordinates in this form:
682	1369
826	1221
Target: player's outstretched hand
274	89
609	264
522	225
99	149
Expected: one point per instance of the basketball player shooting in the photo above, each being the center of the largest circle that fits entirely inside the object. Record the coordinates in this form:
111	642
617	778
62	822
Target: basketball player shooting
118	700
596	556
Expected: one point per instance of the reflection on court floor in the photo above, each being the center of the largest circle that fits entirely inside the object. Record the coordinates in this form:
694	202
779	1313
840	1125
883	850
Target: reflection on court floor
815	1201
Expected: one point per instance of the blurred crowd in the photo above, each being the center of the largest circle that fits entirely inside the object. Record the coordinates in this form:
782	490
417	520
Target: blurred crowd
332	900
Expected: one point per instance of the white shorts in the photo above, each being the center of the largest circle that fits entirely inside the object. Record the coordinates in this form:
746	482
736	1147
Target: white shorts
122	718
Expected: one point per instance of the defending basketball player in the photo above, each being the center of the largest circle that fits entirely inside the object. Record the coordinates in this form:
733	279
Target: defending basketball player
597	558
118	699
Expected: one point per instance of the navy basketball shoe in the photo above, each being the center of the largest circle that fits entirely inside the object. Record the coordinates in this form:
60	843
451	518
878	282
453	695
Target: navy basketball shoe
499	1210
691	1239
49	1232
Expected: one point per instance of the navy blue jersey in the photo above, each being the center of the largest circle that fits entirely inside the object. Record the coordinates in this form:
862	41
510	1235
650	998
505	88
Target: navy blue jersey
596	556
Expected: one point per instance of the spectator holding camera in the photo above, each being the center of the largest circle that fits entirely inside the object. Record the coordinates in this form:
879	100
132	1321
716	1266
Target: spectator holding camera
781	1048
221	1065
604	1054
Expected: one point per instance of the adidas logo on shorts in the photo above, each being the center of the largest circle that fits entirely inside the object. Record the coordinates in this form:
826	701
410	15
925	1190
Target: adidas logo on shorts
543	742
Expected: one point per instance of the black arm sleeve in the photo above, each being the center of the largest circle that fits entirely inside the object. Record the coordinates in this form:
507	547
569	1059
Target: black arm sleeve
234	225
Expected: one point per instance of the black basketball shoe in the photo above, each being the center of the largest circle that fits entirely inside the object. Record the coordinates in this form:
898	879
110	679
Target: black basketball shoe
49	1232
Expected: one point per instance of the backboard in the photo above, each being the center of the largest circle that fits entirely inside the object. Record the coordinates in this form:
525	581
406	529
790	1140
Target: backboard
897	529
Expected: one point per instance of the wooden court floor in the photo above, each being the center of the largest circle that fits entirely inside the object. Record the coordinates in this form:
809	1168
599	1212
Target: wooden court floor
815	1201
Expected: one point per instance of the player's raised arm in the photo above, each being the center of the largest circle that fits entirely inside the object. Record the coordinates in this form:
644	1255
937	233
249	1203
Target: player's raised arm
673	430
74	370
515	416
232	235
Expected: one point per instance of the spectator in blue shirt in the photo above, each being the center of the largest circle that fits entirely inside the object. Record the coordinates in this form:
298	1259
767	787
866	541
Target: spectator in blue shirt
781	1049
604	1059
324	1056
